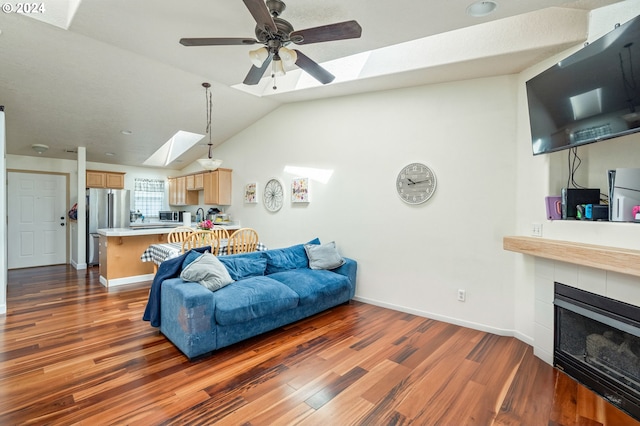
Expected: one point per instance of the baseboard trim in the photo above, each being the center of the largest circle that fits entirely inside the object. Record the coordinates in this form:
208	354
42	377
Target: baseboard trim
469	324
124	281
78	265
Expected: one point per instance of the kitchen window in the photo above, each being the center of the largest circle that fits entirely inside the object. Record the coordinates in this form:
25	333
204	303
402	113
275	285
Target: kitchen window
148	196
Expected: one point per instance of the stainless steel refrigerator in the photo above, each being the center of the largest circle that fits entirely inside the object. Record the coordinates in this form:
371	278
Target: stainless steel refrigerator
106	208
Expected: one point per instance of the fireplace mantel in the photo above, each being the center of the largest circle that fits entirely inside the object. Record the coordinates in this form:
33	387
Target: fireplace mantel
625	261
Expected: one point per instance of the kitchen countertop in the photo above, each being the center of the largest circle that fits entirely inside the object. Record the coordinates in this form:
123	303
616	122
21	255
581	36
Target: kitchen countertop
152	228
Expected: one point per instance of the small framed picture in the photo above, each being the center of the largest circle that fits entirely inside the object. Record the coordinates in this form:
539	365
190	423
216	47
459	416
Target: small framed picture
300	190
251	193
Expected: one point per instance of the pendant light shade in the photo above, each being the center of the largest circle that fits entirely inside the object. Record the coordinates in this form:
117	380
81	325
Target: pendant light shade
209	163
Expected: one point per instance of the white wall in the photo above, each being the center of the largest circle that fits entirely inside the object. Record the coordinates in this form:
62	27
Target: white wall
3	213
544	175
413	258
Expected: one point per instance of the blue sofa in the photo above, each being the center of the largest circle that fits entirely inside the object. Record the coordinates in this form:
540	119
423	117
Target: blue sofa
272	288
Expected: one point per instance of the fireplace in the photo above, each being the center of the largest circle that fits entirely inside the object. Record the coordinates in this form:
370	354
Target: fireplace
597	342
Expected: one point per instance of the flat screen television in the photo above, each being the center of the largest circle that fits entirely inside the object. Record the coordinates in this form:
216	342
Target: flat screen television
590	96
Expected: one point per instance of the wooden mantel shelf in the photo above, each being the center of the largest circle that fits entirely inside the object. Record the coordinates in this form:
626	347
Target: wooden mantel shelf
625	261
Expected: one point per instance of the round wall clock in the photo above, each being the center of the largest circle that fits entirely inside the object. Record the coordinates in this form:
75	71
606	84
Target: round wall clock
273	195
415	183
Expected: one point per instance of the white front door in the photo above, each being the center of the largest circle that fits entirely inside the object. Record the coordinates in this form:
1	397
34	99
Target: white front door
37	219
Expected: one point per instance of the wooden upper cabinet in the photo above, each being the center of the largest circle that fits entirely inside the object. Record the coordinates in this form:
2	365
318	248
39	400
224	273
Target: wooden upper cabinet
184	190
173	193
217	187
115	180
96	179
195	182
99	179
178	193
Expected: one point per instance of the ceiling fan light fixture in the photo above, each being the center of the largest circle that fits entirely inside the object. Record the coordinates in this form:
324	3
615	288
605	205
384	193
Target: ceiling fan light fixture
278	67
258	56
288	56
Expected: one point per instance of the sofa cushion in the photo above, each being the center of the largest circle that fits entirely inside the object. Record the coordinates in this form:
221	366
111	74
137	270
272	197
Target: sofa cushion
314	286
288	258
244	267
323	256
208	271
252	298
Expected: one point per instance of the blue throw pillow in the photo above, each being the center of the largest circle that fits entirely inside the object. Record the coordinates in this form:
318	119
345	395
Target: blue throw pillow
190	257
285	259
324	256
240	267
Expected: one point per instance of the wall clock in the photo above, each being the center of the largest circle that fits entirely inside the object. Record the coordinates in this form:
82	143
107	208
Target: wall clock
273	195
415	183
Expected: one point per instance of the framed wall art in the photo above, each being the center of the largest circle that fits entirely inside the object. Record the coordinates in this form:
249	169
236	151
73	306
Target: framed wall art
251	193
300	190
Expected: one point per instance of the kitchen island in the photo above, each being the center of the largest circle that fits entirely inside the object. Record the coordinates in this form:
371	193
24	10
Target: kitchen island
120	250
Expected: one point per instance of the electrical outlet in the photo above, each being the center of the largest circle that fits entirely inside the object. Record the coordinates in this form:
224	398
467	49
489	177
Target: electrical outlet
462	295
536	229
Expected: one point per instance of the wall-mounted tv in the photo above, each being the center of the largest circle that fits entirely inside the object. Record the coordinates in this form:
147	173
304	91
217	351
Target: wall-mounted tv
590	96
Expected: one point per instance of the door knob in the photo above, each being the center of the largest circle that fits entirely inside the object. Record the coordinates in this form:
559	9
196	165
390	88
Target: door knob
62	224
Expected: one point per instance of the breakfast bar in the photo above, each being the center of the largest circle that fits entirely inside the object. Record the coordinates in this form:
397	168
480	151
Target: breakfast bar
120	250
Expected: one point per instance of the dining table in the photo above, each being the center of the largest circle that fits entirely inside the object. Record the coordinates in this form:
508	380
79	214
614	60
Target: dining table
158	253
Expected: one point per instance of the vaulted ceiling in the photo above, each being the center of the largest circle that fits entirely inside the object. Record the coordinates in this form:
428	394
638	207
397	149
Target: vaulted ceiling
85	72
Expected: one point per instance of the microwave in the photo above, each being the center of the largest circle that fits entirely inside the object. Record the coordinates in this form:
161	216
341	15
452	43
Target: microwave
170	216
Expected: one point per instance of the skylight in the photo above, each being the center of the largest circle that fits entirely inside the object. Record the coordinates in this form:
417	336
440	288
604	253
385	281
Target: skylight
59	12
179	143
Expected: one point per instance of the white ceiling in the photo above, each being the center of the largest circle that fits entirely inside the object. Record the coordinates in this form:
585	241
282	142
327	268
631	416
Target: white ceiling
119	65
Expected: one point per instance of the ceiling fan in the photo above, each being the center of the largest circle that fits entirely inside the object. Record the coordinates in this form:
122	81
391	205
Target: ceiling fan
275	33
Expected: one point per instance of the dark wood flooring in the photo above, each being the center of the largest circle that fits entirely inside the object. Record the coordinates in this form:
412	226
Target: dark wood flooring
73	352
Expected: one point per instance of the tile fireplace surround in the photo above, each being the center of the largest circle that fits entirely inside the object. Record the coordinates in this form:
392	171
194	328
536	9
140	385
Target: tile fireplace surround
607	271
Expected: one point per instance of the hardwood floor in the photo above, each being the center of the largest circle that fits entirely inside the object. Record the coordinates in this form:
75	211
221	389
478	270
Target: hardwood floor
73	352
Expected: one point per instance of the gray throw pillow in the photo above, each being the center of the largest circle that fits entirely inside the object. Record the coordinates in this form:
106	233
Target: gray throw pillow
323	256
208	271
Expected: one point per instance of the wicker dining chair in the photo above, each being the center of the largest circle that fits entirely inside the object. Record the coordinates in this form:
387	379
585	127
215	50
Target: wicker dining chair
244	240
179	234
202	238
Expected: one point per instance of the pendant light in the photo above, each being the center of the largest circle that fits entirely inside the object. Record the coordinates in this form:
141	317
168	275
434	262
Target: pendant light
209	163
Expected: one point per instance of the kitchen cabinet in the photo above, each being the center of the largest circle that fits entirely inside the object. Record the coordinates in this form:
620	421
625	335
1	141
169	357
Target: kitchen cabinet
217	187
99	179
120	257
178	193
195	182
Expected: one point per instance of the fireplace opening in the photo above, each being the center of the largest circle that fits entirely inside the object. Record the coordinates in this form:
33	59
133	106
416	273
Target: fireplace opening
597	342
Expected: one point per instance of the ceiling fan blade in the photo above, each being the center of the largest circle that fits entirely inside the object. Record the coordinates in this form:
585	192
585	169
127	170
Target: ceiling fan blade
256	73
313	68
260	13
339	31
216	41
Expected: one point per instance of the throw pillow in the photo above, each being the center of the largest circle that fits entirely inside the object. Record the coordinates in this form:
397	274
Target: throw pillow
208	271
285	259
240	267
323	256
190	257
